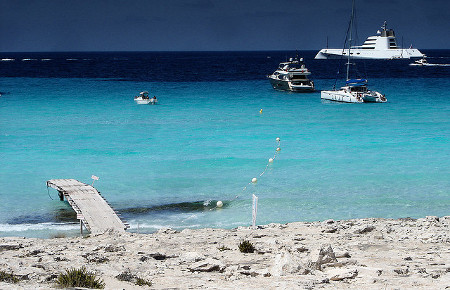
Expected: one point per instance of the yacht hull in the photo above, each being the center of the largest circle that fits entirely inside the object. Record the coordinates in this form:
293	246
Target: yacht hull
289	86
356	53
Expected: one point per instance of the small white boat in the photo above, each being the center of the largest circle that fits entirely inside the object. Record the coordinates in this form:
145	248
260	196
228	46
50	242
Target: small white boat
424	62
420	62
292	76
143	99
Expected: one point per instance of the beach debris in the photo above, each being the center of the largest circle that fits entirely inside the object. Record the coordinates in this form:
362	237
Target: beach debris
402	272
94	258
302	249
324	256
330	230
285	264
159	257
223	248
190	257
343	255
51	277
366	229
167	231
208	265
35	252
10	247
342	274
112	248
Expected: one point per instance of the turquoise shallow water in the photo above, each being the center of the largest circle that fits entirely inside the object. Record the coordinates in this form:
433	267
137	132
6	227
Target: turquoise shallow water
205	141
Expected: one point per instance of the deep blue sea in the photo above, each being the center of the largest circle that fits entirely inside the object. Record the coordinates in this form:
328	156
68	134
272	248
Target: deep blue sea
72	115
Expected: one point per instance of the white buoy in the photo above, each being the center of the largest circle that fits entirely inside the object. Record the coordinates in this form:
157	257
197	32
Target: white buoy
219	203
278	139
254	180
278	149
270	160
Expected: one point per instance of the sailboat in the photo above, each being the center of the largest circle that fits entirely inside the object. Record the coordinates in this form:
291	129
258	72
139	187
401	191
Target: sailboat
355	90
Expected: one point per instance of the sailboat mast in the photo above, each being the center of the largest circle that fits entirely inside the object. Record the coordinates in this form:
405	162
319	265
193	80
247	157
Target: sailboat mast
350	37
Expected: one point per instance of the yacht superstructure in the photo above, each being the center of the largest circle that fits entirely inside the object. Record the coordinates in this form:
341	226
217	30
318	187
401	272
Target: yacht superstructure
292	76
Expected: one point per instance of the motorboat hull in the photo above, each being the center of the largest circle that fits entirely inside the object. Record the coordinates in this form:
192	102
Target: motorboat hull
291	86
141	101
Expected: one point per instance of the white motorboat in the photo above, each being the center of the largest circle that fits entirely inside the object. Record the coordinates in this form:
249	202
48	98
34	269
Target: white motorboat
143	99
355	90
292	76
423	62
420	62
380	46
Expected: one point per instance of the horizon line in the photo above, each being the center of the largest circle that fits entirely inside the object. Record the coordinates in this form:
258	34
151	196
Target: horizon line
120	51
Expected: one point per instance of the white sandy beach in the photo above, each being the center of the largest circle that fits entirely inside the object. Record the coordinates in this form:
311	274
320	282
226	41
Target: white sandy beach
351	254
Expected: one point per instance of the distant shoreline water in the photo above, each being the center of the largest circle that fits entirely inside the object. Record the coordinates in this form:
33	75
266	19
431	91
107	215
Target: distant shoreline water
71	115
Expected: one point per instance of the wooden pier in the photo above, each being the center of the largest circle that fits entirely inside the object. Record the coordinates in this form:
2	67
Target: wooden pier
91	208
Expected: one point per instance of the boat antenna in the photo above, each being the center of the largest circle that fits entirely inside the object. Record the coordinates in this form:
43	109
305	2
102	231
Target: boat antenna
350	28
327	41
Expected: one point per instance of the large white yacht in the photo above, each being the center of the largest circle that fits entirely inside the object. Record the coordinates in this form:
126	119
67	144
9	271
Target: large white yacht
355	90
380	46
292	76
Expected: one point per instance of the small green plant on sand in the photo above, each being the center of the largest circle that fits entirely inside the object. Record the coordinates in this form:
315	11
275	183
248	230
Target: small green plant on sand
142	282
246	247
8	277
127	276
79	278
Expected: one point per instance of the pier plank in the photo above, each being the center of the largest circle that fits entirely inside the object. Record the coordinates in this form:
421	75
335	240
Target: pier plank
98	216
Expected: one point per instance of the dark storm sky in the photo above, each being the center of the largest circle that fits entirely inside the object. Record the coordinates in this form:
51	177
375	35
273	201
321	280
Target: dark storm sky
147	25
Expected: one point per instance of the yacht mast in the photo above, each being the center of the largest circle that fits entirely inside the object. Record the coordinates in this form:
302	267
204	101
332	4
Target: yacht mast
350	37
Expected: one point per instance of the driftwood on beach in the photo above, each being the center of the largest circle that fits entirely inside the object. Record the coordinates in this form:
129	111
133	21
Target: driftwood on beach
357	254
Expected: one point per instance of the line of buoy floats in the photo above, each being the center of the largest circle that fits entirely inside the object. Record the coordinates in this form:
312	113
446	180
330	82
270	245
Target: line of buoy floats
254	180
